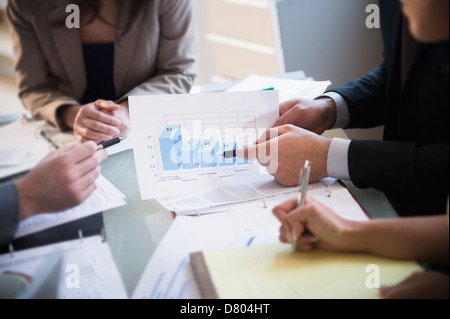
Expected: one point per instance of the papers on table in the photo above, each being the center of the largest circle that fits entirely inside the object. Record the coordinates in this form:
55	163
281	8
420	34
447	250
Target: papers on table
288	89
169	273
88	270
105	197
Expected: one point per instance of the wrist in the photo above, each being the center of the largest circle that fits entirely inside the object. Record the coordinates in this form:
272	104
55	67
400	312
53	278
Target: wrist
67	114
323	157
329	111
28	205
357	235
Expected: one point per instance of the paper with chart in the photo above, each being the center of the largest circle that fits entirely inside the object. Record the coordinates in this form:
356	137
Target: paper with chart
176	140
99	277
105	197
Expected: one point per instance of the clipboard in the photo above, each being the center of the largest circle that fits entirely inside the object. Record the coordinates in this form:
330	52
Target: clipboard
91	225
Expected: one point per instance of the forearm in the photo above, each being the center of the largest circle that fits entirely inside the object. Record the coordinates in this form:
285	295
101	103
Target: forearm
418	238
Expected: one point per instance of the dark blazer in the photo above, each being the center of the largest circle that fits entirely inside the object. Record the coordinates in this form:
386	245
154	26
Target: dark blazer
411	164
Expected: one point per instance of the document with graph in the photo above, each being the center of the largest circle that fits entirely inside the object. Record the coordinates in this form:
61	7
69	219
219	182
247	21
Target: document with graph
178	140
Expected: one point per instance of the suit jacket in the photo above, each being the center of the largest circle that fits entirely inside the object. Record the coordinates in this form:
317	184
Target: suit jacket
411	164
9	212
157	54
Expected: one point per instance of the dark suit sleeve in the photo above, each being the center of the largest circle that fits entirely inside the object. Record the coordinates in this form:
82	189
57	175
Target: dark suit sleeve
365	98
413	176
9	212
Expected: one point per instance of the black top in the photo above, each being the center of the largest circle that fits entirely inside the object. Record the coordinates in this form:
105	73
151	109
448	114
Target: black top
99	66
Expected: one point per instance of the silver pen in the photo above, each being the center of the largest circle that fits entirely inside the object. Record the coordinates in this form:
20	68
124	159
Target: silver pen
301	197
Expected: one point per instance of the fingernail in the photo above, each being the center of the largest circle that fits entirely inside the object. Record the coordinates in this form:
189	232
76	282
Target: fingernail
117	122
314	240
288	235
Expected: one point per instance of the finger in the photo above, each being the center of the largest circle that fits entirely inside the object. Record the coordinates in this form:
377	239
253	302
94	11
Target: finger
254	152
99	116
308	239
85	193
283	235
82	152
93	135
284	208
107	105
89	178
101	127
90	163
287	105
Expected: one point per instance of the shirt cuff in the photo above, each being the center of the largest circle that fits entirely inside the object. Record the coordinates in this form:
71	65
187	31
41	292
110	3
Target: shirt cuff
337	160
342	116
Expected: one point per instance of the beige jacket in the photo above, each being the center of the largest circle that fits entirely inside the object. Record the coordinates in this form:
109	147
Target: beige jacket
156	56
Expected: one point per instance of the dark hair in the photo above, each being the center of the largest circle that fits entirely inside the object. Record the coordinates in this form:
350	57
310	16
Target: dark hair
91	10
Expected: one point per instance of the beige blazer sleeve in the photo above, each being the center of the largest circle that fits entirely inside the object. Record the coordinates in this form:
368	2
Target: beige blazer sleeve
156	56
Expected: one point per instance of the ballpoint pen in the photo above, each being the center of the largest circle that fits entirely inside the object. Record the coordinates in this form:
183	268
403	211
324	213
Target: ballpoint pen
301	197
110	143
227	154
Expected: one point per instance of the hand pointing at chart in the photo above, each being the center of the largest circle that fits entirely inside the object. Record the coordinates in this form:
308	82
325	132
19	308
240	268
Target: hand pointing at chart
283	151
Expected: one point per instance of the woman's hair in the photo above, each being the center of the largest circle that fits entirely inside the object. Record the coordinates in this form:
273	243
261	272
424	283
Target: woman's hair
91	10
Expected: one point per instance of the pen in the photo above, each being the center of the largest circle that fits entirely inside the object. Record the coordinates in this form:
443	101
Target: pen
301	197
109	143
228	154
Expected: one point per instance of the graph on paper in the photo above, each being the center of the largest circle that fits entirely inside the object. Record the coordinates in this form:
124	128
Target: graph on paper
177	146
189	144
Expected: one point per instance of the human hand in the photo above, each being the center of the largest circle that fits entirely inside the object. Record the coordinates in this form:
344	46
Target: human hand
314	225
420	285
63	179
283	151
98	122
316	116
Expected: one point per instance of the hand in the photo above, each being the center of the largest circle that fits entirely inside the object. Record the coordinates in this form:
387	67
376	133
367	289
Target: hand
316	226
98	122
283	151
316	116
420	285
63	179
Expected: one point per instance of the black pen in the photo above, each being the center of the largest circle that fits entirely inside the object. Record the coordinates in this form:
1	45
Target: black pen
114	141
228	154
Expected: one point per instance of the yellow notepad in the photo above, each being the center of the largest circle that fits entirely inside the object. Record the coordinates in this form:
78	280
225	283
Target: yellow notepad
275	272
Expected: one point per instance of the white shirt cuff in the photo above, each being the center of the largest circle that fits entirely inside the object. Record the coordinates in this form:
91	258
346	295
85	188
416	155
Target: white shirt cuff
337	160
342	116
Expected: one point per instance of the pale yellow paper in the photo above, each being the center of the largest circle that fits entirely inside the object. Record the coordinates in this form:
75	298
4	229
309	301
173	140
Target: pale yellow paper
275	272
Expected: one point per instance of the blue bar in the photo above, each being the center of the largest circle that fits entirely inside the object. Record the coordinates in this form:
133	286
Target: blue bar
209	152
190	153
227	147
241	161
169	145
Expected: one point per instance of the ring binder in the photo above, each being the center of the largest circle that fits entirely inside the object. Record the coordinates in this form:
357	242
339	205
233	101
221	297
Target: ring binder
11	250
80	235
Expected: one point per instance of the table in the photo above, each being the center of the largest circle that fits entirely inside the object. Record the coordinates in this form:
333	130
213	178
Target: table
134	231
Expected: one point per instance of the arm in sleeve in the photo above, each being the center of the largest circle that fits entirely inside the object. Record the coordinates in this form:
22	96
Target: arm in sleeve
413	176
365	98
39	90
9	212
177	51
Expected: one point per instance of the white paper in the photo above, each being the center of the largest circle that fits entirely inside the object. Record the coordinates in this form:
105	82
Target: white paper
288	89
105	197
228	198
98	273
169	274
164	125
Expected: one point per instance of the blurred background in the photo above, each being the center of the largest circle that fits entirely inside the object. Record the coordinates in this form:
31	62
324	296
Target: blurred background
327	39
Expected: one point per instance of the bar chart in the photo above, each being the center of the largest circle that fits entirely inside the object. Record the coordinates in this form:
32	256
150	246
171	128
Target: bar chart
196	141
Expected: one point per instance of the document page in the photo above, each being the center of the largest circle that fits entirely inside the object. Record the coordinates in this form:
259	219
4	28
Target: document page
88	270
105	197
178	141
